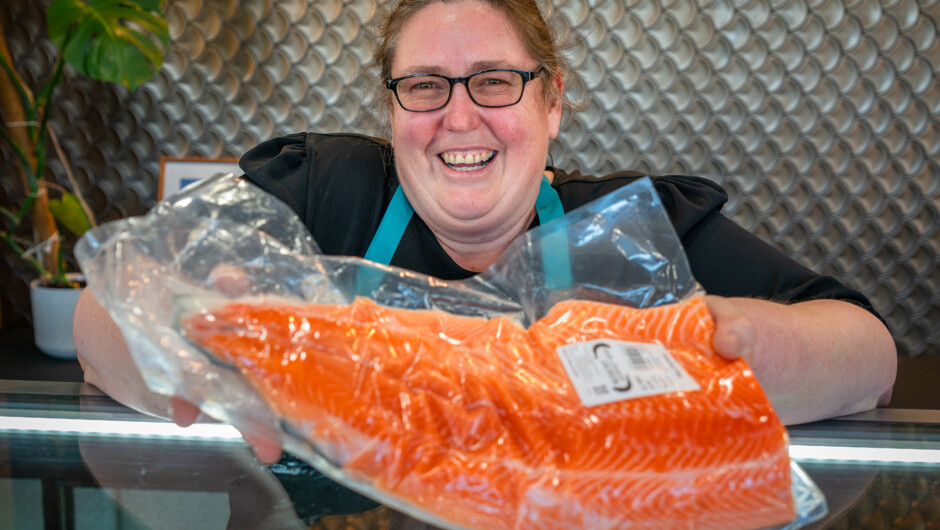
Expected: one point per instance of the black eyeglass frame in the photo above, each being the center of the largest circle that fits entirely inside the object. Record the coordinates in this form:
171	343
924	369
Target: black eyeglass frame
392	84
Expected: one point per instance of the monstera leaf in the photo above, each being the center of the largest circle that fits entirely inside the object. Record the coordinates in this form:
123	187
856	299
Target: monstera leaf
110	40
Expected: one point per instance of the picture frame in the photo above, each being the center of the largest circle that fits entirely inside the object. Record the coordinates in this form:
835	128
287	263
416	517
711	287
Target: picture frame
179	172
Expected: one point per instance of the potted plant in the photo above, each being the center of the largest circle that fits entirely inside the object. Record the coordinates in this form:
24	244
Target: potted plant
119	41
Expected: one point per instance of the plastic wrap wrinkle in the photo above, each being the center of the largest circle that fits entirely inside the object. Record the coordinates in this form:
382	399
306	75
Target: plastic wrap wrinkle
455	401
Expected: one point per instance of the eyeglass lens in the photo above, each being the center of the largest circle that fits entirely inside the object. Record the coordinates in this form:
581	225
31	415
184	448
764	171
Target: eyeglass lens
487	89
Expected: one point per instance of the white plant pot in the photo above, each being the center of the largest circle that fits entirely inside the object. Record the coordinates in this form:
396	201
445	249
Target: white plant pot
53	309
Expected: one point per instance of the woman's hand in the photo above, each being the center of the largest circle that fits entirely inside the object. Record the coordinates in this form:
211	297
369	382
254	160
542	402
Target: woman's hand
734	330
108	365
814	360
267	449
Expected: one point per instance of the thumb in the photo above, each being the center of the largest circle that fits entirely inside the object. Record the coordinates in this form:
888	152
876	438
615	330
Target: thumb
229	280
735	336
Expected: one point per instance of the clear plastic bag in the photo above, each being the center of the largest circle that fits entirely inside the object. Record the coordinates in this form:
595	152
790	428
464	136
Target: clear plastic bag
155	277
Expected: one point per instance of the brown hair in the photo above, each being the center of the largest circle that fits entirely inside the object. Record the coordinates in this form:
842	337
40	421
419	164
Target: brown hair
538	37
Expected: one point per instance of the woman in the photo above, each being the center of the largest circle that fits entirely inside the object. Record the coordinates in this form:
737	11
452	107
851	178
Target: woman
475	94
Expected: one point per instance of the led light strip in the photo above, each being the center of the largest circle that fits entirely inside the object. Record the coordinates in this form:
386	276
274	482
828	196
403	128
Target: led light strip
224	432
861	455
149	429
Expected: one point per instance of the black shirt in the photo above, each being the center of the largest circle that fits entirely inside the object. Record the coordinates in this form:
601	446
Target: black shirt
341	184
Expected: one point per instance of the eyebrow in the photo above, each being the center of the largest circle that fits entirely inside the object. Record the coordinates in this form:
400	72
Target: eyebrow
475	67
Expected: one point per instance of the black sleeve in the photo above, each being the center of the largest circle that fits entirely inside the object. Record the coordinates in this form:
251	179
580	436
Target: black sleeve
339	184
728	260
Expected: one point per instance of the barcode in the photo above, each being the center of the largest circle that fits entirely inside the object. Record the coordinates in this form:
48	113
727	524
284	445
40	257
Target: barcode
600	390
636	358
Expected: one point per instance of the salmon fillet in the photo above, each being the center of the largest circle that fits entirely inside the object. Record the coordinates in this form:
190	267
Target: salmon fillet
478	423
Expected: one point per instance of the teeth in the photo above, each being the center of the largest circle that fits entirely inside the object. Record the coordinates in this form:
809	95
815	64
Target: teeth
469	158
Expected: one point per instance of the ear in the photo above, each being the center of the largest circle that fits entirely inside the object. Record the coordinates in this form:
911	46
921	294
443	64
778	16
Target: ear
555	106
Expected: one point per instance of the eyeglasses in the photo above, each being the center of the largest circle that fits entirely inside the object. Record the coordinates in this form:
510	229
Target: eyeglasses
488	88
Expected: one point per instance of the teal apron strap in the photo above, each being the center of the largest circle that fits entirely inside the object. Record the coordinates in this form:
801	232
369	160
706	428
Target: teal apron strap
390	230
385	242
547	205
555	259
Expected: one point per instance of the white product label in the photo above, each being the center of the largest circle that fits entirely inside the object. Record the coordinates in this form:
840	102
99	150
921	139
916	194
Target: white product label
605	371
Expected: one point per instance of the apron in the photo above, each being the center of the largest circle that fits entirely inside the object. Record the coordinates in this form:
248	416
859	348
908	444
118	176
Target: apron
547	206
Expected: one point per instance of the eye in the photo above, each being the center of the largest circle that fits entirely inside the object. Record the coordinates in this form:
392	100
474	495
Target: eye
495	81
422	84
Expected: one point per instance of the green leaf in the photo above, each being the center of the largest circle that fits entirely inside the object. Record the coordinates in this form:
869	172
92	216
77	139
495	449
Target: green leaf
69	213
118	41
10	215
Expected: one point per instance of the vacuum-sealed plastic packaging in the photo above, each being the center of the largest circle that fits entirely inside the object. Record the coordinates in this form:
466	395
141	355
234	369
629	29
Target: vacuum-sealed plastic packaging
572	384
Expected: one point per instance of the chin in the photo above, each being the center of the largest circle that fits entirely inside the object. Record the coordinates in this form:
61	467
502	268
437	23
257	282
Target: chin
466	209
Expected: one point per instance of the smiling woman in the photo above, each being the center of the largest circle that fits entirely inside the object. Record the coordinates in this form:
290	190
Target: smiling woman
472	108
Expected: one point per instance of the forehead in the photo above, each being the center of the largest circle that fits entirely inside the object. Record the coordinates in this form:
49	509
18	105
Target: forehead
455	38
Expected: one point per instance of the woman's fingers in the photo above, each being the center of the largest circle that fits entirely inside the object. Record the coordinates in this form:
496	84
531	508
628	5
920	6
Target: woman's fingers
735	336
183	412
267	450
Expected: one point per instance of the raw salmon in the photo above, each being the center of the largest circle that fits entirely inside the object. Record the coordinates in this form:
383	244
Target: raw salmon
479	423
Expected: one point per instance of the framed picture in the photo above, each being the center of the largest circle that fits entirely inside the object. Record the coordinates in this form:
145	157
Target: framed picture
177	173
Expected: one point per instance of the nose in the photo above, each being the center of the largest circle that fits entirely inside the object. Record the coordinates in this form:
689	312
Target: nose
461	113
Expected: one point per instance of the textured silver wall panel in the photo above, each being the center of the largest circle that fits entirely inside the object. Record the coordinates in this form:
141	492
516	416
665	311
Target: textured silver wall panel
820	117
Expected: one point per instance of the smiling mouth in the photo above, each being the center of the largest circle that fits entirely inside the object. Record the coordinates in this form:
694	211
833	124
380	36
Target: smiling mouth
469	161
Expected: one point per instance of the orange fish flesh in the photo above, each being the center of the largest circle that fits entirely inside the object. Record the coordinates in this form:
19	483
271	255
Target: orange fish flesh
477	422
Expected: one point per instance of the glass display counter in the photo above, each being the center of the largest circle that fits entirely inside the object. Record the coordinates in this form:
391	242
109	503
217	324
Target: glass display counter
72	458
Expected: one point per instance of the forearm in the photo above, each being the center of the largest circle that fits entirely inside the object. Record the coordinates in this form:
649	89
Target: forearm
820	358
106	361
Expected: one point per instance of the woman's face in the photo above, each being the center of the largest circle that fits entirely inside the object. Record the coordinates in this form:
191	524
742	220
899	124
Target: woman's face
470	200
